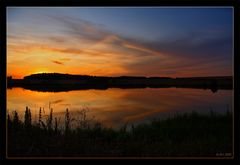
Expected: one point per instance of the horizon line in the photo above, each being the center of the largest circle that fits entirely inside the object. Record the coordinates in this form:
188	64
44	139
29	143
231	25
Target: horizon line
121	75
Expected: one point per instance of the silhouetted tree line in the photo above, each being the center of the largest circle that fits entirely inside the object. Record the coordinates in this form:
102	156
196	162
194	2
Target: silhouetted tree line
56	76
60	76
64	82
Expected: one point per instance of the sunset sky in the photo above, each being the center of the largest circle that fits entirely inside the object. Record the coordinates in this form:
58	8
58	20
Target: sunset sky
173	42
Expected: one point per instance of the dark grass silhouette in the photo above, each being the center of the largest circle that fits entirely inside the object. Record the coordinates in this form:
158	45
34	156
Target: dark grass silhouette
188	135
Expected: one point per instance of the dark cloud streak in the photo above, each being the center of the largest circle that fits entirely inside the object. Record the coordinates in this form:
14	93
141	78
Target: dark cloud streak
57	62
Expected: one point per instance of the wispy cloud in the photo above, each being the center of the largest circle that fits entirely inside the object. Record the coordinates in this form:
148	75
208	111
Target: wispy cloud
57	39
57	62
94	35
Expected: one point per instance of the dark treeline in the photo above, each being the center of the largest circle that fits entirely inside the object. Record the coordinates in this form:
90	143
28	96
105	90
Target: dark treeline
60	76
182	135
65	82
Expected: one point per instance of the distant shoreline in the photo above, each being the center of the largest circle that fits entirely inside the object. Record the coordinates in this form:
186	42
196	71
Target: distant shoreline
65	82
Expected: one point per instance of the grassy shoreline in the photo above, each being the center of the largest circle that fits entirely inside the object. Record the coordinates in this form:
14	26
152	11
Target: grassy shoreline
190	134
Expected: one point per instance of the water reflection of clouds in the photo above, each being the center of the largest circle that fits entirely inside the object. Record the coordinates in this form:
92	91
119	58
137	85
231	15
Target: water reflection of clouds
115	107
56	101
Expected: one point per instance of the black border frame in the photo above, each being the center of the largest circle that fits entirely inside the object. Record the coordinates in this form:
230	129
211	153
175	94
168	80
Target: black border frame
55	3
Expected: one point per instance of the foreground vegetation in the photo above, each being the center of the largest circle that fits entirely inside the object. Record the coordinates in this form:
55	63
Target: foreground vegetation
182	135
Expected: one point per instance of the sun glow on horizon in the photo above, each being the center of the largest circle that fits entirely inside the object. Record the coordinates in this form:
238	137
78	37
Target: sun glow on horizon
40	72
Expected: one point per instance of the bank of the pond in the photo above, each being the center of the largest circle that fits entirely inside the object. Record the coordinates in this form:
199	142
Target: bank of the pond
191	134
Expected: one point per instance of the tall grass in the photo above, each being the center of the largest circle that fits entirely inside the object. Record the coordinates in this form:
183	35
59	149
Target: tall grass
190	134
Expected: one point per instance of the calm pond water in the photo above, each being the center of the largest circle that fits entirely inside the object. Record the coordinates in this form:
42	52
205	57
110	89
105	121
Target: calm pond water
114	107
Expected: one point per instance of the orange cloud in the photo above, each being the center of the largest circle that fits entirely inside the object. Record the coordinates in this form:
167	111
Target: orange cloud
65	59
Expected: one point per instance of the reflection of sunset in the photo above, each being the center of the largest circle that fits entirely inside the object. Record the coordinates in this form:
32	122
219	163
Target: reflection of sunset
117	106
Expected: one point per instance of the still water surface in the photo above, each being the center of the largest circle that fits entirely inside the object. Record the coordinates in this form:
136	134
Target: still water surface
114	107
